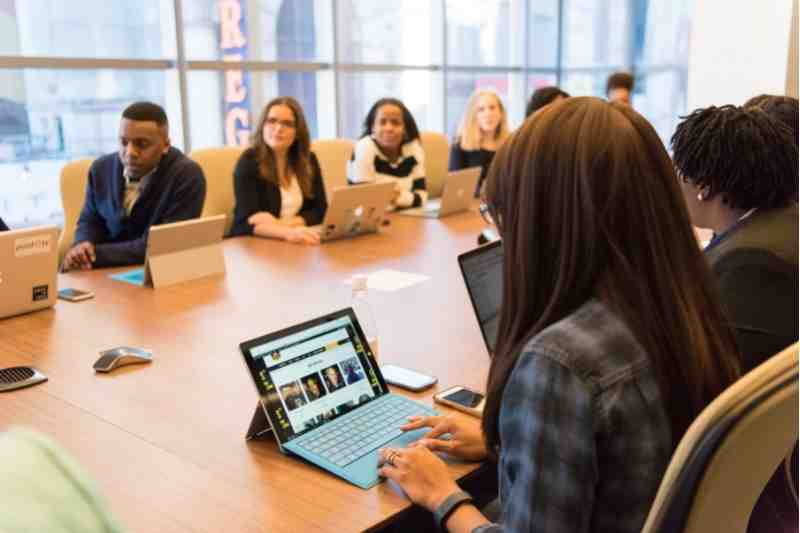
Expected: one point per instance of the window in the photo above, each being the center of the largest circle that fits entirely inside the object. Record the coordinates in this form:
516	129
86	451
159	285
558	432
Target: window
144	29
67	69
420	91
52	116
217	121
483	32
401	32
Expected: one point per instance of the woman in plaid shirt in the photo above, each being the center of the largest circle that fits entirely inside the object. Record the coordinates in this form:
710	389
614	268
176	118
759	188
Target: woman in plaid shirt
610	340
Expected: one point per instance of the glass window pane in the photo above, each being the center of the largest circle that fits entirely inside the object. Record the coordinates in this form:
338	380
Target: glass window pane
48	117
661	97
421	91
663	29
596	33
460	87
144	29
402	32
543	38
225	106
585	83
258	30
486	32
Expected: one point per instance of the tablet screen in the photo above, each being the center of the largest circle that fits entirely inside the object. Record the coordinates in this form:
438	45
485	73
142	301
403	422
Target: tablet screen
310	374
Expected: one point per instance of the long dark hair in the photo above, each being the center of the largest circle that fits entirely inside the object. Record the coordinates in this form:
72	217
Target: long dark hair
411	132
588	206
299	152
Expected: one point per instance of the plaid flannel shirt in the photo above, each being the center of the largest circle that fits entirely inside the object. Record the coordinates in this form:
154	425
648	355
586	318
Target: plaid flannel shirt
585	437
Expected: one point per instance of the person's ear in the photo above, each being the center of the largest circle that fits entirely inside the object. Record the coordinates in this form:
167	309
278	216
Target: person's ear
704	194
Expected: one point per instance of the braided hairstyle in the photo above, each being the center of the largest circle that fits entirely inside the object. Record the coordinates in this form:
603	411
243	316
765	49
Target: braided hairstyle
783	108
743	154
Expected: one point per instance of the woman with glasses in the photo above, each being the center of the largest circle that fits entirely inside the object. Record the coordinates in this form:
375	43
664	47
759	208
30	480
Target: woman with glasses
389	149
610	341
277	181
483	128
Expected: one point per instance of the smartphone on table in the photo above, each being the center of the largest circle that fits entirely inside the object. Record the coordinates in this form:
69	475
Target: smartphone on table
75	295
463	399
406	378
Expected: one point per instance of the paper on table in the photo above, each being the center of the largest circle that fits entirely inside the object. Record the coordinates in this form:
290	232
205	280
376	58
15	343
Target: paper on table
391	280
134	277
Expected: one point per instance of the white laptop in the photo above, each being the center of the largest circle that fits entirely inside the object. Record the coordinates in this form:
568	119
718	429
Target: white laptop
459	188
354	210
28	270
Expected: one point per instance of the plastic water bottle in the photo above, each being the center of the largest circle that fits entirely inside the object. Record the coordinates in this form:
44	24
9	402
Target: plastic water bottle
364	313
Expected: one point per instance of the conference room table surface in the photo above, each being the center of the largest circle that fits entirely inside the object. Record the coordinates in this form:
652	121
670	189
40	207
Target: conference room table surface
165	441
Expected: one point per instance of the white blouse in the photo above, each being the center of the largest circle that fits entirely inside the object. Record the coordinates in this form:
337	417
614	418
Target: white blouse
291	199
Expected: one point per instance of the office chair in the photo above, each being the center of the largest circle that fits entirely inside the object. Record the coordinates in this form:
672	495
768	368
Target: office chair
218	165
730	452
74	176
333	155
437	152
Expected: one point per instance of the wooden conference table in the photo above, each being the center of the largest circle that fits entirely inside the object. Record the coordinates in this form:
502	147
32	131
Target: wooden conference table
165	441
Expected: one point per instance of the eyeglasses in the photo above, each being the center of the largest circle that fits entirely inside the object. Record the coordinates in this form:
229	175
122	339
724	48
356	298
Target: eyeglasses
274	123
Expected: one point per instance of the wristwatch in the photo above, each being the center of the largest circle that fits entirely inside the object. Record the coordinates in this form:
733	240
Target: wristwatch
448	506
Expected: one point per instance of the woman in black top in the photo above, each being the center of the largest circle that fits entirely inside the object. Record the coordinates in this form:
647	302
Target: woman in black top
277	181
482	130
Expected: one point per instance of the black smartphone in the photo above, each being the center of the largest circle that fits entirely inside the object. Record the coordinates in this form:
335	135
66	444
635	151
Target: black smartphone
463	399
75	295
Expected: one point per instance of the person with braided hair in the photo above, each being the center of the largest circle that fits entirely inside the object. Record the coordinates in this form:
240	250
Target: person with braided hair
784	108
738	167
739	177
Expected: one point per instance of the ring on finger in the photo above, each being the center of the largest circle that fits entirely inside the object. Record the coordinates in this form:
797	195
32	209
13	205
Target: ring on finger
391	456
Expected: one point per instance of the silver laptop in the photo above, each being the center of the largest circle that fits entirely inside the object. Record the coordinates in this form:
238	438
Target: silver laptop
325	398
482	269
28	270
355	210
458	191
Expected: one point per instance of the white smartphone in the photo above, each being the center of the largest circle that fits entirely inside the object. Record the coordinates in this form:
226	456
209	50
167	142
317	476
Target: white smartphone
75	295
405	378
463	399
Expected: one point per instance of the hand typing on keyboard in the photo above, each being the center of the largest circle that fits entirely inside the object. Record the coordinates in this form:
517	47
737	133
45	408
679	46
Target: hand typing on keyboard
465	436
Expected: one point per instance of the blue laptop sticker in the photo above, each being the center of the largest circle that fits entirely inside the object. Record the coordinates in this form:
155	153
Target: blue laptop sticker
134	277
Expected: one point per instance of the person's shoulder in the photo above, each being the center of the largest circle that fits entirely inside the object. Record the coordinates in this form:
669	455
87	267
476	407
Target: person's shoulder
182	167
593	342
105	165
248	161
767	237
365	145
248	154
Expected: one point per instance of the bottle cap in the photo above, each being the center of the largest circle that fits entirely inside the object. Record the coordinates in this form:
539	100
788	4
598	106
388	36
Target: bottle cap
360	282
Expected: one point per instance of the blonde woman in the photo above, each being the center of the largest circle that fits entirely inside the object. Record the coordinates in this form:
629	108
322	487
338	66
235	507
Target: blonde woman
482	130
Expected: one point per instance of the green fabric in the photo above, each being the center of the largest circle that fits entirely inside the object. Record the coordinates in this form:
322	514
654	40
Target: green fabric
45	490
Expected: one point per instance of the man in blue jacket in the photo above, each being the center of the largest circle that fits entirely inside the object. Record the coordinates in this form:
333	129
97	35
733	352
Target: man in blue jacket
147	182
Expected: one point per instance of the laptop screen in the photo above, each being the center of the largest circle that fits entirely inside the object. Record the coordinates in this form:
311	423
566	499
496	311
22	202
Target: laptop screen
482	269
312	373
